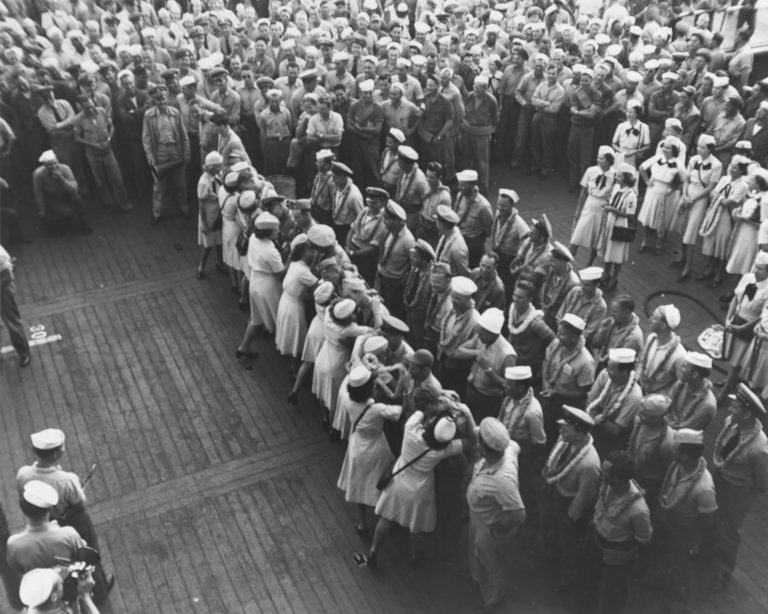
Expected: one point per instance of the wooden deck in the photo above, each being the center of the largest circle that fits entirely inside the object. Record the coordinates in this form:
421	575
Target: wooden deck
213	495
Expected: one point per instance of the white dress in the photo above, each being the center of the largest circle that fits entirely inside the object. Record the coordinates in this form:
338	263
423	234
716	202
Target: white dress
700	174
209	208
660	203
368	455
624	199
265	264
598	186
409	500
230	229
717	226
746	220
629	138
315	335
291	324
331	361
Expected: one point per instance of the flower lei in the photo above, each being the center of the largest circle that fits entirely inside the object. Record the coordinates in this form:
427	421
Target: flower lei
633	436
614	409
560	284
554	458
625	501
523	326
729	429
682	412
518	413
646	355
668	487
712	216
564	360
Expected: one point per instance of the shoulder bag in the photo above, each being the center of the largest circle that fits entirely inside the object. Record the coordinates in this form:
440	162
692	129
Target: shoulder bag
387	476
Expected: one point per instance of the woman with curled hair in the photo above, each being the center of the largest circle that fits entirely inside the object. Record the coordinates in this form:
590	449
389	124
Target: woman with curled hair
291	321
716	227
265	270
747	218
368	455
409	497
617	214
664	176
596	186
704	171
632	138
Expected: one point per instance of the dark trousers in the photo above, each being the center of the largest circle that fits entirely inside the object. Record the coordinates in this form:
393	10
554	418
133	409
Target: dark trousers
481	405
170	187
475	249
508	118
391	290
543	130
364	160
453	374
733	503
674	543
61	210
522	135
569	537
250	137
276	155
449	490
9	310
366	266
342	230
580	141
610	582
194	168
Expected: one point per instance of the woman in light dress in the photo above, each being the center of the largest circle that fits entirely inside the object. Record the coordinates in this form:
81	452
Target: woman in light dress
368	455
409	498
704	171
755	364
596	186
664	176
228	196
747	219
331	362
209	211
266	268
291	322
620	210
324	294
716	227
632	139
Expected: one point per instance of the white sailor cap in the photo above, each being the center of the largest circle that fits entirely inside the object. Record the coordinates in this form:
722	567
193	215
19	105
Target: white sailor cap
463	286
40	494
623	356
359	376
591	273
518	373
697	359
574	321
37	585
47	439
492	320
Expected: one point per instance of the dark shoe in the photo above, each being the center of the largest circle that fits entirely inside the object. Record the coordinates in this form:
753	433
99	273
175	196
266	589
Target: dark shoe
545	175
725	298
490	607
533	171
155	220
362	530
657	250
86	230
292	399
706	275
200	274
110	582
222	268
612	285
24	361
514	165
716	283
235	290
676	264
243	306
185	212
642	249
683	277
361	560
127	206
239	354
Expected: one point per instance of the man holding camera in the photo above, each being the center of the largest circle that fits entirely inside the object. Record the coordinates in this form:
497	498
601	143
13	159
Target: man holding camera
42	591
55	189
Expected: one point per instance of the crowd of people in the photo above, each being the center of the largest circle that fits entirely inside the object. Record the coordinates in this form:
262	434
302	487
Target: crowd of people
452	344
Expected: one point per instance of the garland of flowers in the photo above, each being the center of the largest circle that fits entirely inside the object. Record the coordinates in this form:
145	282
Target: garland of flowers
518	413
614	409
523	326
561	285
668	487
564	361
712	216
675	393
554	458
729	429
625	501
645	355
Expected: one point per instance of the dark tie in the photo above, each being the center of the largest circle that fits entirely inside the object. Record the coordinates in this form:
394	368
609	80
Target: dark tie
731	444
634	131
226	46
750	291
388	251
601	182
702	166
58	117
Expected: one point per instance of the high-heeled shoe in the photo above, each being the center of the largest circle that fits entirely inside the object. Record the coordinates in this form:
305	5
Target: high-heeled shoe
642	249
239	354
683	277
716	283
705	276
200	274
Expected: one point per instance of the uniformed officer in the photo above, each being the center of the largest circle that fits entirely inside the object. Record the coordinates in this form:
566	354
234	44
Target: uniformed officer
621	523
586	301
417	290
458	327
507	233
495	510
568	371
412	187
693	402
740	458
451	248
367	233
346	198
687	504
439	304
439	194
322	188
572	473
614	400
493	355
363	130
558	281
620	329
389	168
475	215
394	259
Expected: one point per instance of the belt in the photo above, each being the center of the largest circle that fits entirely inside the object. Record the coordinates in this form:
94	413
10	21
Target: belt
278	138
545	113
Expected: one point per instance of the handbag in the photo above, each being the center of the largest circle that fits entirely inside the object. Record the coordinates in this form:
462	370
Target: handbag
218	222
242	242
387	476
744	335
625	234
